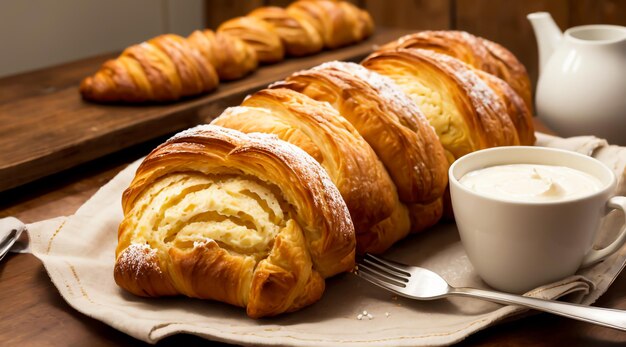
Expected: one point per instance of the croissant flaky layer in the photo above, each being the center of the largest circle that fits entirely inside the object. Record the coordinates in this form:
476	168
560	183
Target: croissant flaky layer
170	67
244	219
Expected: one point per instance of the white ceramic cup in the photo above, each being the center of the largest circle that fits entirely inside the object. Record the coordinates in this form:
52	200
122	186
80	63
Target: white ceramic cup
518	246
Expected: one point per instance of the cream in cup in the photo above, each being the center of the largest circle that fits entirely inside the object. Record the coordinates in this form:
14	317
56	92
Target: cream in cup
527	216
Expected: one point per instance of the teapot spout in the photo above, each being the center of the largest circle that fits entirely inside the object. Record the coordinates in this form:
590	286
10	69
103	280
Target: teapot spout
547	33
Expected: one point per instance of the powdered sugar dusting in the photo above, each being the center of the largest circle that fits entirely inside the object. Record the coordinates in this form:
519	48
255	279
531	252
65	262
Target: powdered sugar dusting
481	95
386	88
275	84
203	242
232	136
238	110
139	259
490	109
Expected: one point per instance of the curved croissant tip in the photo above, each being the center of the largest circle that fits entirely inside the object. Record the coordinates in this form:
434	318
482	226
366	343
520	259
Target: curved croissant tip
96	88
88	88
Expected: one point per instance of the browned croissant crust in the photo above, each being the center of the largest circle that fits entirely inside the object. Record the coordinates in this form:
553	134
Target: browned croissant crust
466	114
298	36
512	71
340	23
515	106
164	68
260	35
478	52
231	57
167	68
245	219
352	165
395	128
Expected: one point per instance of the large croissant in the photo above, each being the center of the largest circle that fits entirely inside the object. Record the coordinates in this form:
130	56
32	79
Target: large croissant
476	51
244	219
170	67
465	112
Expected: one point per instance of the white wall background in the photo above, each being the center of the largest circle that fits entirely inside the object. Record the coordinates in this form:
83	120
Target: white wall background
40	33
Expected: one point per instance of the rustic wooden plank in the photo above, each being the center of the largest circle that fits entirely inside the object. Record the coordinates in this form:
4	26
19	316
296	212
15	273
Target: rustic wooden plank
505	23
584	12
49	80
47	127
410	14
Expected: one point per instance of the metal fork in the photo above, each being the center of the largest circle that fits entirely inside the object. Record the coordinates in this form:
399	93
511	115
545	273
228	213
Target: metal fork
418	283
10	231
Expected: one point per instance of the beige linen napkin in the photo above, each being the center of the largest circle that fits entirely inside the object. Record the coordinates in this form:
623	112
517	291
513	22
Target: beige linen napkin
78	253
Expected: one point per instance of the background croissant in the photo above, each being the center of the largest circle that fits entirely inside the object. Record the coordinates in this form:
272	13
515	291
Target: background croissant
170	67
164	68
385	133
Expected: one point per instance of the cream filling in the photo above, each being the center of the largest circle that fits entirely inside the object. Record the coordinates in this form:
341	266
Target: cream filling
531	182
187	210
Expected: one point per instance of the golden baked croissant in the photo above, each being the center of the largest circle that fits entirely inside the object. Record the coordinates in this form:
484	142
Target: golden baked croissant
164	68
231	57
478	52
245	219
260	35
394	127
298	36
350	162
466	114
340	23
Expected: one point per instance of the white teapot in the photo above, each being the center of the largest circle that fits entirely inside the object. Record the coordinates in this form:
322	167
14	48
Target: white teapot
582	78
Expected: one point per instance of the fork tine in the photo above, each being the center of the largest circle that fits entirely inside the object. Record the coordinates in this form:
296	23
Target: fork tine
399	276
382	275
401	268
376	281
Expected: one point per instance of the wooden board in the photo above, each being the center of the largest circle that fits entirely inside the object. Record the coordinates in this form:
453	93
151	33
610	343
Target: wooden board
46	127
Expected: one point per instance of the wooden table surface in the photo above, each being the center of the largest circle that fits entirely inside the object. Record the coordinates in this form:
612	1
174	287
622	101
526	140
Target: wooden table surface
33	313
